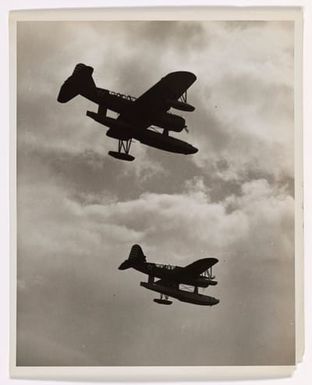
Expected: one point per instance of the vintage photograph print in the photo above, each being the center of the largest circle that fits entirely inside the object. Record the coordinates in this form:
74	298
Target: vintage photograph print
155	192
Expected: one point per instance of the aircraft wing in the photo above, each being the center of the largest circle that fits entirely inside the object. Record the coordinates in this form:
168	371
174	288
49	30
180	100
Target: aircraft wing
198	267
167	283
156	100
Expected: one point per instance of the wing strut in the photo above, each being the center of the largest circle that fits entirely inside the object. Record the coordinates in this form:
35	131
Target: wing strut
163	300
183	97
124	145
123	150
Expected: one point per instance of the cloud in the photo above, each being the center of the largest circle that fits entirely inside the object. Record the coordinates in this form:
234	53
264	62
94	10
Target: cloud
234	115
74	265
79	211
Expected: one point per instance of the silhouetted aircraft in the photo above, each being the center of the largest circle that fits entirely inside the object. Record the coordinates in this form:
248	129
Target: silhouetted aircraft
197	274
136	116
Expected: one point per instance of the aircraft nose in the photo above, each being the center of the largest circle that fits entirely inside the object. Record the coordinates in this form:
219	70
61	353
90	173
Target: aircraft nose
193	150
64	94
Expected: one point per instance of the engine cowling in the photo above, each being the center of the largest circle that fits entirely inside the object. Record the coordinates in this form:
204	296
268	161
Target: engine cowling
170	122
178	105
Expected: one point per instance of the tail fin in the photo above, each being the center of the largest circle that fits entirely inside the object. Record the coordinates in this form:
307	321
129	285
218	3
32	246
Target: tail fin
136	256
80	82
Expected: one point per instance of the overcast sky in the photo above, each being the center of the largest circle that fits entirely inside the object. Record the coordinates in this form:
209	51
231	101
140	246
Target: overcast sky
80	211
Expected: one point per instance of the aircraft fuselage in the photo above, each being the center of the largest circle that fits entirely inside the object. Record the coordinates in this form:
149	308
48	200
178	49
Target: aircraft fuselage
171	273
121	104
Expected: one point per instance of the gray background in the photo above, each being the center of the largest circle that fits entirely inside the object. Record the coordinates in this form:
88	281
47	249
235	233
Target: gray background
80	211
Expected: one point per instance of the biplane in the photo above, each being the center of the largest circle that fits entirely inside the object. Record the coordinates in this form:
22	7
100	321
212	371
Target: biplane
140	118
167	279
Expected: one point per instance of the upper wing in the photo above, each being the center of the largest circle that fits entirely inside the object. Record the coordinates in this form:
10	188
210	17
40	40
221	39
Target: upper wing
198	267
155	100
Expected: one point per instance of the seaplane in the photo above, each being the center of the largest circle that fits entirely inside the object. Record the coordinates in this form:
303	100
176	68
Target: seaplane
167	279
146	119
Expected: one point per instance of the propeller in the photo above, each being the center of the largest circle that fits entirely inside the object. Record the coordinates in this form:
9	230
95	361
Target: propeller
186	129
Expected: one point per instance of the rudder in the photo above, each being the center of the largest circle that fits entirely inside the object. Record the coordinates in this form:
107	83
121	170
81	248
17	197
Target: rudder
80	82
136	254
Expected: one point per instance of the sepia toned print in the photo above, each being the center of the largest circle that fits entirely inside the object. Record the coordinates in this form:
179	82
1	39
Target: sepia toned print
79	210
